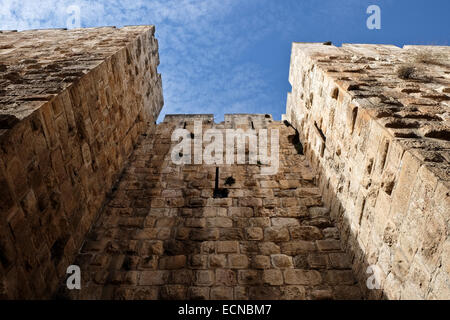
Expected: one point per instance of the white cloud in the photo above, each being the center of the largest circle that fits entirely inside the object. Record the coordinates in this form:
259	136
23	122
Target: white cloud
202	43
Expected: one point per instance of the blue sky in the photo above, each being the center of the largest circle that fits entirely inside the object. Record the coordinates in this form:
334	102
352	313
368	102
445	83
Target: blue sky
232	56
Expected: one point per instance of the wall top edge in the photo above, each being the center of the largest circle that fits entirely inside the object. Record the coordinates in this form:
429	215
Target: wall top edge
324	46
36	67
150	26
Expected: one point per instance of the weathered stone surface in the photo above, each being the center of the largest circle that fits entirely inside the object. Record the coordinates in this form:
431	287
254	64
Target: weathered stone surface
379	142
73	104
302	277
239	247
227	246
281	261
273	277
238	261
374	171
254	233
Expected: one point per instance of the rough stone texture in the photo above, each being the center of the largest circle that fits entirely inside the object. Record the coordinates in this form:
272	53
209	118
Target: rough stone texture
375	124
72	106
164	236
372	187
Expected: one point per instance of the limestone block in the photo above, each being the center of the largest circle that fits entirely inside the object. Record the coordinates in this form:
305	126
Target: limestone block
302	277
272	277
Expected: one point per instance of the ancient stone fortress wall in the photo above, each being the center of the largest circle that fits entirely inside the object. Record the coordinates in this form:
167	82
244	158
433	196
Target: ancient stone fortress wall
72	106
164	235
375	123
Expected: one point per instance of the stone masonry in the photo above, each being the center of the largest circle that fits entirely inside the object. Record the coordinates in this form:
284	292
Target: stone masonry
164	236
72	106
86	177
375	123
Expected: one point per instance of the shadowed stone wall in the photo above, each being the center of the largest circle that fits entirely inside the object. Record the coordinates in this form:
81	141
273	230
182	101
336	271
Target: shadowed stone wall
163	235
72	105
375	124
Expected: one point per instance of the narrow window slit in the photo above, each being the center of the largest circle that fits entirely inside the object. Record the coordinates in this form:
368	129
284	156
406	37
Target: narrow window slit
354	116
219	192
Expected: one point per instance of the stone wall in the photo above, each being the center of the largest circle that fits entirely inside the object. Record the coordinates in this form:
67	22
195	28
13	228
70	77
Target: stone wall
72	106
375	123
373	180
164	235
